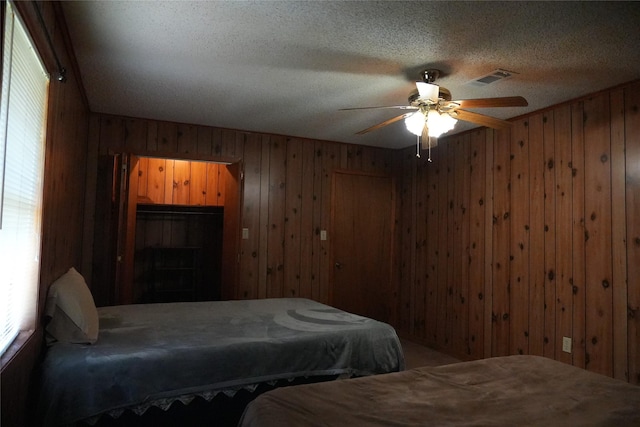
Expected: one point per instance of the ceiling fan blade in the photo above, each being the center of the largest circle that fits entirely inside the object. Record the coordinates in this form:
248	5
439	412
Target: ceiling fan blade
385	123
508	101
481	119
397	107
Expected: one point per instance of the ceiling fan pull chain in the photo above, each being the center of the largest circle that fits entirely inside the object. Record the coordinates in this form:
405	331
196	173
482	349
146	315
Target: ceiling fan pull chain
418	146
429	158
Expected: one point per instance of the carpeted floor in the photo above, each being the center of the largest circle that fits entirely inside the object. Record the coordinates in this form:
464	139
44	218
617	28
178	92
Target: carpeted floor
417	355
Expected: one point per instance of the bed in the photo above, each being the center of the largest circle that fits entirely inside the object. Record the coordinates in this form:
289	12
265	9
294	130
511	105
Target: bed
152	355
501	391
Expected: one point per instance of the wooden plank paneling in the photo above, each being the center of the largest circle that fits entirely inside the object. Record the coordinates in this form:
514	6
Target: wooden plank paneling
582	205
563	227
450	296
222	184
212	185
536	238
293	217
597	208
204	140
618	236
263	228
460	249
477	211
550	348
250	246
169	183
181	182
501	232
185	183
135	134
316	220
152	136
156	171
216	141
579	233
167	137
143	178
187	138
90	201
454	248
406	243
519	247
111	134
376	160
420	281
443	257
198	184
463	288
330	160
488	243
307	152
431	260
632	170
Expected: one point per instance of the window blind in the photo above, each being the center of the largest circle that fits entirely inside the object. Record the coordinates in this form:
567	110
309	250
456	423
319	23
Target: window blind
22	130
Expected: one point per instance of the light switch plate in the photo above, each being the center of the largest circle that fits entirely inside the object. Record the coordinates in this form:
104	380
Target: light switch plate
566	344
245	233
323	234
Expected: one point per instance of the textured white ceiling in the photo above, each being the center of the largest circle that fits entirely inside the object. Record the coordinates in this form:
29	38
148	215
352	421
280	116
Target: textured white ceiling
288	67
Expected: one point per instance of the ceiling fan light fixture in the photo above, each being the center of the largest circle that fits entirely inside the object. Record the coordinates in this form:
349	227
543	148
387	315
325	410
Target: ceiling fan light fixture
439	123
415	123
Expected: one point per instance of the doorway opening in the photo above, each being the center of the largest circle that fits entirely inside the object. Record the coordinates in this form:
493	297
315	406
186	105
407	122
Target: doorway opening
179	223
171	232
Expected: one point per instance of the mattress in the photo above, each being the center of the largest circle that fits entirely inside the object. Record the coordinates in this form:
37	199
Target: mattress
155	354
501	391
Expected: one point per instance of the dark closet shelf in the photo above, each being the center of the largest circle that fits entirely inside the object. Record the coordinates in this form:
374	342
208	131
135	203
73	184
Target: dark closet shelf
178	252
174	270
144	208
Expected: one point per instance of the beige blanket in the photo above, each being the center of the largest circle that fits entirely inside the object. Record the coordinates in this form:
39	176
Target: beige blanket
502	391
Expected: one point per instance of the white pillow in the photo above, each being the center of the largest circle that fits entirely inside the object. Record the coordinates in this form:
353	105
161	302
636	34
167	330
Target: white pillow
73	313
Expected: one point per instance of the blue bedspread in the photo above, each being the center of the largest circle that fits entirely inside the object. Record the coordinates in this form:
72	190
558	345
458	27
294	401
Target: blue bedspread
153	353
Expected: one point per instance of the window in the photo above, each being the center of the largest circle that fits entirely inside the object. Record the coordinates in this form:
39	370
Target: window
22	138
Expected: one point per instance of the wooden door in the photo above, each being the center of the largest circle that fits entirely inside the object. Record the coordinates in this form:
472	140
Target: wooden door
108	195
125	208
361	244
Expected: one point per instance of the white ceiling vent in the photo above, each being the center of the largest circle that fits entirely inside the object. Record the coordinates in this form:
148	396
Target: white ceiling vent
492	78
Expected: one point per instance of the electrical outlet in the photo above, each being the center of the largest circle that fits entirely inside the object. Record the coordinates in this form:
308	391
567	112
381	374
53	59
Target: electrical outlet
245	233
566	344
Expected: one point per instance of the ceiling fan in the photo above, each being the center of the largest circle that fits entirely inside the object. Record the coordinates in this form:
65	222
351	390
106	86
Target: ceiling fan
434	113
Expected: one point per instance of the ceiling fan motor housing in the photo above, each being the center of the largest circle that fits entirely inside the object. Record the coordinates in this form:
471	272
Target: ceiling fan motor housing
430	75
414	96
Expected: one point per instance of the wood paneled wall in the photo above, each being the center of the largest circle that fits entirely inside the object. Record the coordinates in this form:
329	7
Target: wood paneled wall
286	194
180	182
64	189
514	240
